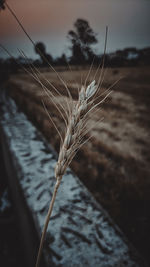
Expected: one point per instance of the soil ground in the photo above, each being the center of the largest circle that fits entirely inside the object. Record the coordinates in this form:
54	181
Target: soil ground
114	164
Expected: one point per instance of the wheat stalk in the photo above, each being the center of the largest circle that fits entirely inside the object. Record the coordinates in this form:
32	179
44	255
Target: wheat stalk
73	140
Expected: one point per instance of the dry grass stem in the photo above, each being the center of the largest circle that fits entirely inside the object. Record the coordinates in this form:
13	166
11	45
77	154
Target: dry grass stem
74	138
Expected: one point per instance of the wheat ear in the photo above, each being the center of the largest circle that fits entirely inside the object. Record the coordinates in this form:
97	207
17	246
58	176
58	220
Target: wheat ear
74	138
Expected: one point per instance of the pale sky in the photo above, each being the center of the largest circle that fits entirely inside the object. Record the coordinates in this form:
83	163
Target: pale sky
50	20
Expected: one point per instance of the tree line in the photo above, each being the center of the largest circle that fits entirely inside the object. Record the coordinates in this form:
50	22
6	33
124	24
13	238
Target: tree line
82	38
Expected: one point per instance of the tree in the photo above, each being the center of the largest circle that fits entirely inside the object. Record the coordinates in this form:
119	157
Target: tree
2	4
82	38
40	49
61	61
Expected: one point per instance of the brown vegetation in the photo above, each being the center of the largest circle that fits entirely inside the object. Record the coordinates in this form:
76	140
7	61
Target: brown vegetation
114	164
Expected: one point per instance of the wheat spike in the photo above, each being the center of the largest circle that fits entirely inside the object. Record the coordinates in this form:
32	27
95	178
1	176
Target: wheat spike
73	140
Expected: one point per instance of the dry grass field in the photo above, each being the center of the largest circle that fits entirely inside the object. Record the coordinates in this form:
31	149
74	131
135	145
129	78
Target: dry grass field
114	164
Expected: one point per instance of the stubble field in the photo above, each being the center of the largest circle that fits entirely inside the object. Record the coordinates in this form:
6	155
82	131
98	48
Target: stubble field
114	164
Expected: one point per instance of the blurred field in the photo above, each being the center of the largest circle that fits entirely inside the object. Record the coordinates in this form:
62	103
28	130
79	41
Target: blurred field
114	164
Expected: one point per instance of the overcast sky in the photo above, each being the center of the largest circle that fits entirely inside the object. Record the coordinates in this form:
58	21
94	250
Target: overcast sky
50	20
